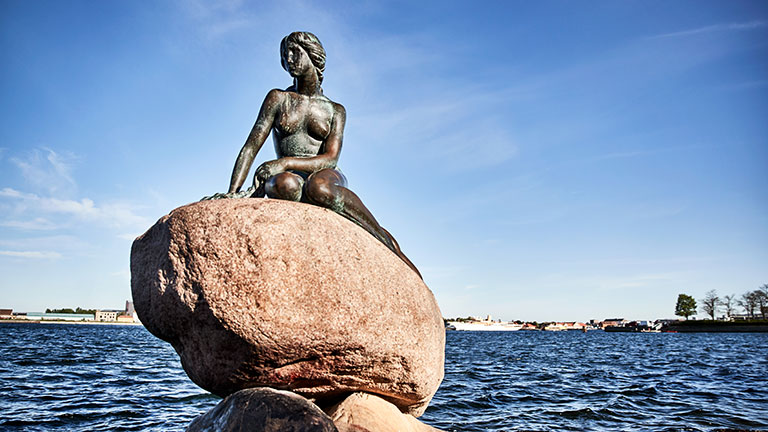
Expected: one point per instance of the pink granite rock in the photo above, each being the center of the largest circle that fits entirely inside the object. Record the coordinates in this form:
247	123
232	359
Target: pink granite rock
362	412
259	292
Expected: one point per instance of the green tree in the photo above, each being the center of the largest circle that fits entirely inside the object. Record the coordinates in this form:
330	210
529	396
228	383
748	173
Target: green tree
686	306
709	303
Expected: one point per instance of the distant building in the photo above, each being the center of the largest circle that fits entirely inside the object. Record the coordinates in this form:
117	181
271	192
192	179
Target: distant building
746	316
106	316
563	326
6	313
129	310
124	318
614	322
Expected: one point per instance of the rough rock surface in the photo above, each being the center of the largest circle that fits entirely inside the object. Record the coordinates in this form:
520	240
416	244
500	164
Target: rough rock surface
269	293
263	409
362	412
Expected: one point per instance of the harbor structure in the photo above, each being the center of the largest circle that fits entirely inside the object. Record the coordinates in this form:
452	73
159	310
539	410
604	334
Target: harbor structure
487	324
41	316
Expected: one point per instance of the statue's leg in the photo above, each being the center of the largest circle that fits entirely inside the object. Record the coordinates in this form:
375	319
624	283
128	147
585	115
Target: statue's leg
327	188
286	186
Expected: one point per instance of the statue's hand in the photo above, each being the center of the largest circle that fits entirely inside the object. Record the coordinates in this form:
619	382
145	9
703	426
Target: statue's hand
242	194
269	169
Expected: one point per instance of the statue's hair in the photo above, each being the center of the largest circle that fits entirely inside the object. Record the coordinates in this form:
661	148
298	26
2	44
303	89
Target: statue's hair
311	44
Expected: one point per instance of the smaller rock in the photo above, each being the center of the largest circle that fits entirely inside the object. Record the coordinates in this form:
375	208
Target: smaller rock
263	410
363	412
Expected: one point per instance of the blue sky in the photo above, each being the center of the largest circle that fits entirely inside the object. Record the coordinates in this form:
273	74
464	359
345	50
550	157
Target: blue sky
544	160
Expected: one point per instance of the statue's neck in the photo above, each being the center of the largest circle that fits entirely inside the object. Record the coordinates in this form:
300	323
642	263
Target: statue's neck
307	85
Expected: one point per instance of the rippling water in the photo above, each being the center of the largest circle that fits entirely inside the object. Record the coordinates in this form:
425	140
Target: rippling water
92	378
573	381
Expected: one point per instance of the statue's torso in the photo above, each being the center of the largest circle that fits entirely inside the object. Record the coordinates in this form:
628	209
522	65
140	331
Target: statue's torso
301	125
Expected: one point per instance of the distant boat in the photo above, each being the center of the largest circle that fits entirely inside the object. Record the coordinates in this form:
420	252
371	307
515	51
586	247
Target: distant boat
483	325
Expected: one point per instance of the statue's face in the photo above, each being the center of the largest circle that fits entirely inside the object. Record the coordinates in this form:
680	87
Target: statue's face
296	61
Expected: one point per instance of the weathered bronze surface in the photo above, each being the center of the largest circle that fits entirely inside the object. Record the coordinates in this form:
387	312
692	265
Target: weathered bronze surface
307	130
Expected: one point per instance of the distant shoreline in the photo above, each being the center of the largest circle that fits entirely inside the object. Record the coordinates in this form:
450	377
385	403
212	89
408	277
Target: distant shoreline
712	326
12	321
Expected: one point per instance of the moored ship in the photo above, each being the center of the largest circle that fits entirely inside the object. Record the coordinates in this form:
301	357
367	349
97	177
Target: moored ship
483	325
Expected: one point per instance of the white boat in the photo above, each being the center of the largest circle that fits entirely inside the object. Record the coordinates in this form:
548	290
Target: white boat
484	325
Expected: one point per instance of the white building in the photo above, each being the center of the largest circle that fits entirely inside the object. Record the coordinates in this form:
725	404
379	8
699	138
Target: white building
109	316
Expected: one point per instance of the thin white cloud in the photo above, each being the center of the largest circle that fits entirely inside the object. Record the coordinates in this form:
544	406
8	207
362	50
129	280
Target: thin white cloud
31	254
34	224
489	141
59	243
752	25
11	193
216	20
116	214
48	170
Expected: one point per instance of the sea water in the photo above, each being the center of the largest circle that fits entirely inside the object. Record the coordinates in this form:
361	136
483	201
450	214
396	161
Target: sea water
90	378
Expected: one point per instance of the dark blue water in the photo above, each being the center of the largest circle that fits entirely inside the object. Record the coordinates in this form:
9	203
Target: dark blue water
573	381
92	378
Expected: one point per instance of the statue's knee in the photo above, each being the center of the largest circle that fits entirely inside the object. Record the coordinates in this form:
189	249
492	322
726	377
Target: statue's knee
320	192
284	186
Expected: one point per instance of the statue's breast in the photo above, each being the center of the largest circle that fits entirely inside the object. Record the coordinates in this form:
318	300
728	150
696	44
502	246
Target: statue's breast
319	119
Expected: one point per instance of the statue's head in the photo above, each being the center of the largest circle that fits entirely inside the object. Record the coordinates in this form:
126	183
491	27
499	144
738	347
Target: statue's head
311	45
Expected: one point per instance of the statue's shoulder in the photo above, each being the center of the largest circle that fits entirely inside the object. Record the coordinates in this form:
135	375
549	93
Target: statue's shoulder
274	97
337	107
277	93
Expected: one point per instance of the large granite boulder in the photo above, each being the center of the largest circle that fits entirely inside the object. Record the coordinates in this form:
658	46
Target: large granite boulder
264	410
259	292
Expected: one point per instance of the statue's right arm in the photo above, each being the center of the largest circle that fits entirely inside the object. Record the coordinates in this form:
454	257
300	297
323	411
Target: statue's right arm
255	140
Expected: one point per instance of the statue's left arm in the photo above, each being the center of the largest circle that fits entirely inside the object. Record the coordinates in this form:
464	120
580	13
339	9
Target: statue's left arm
255	140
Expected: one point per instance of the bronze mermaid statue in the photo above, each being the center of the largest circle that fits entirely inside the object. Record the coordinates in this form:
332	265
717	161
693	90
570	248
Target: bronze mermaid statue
307	129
